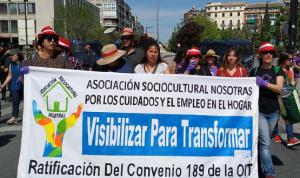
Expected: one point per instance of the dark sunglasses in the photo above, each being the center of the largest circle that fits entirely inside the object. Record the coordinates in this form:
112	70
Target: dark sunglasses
126	38
51	37
194	56
268	52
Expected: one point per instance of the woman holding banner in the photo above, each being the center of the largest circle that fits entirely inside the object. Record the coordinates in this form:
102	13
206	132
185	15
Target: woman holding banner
195	68
231	65
152	62
270	81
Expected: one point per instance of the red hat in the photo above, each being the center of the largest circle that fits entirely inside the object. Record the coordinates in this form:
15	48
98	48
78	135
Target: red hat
193	52
65	43
266	46
47	31
127	32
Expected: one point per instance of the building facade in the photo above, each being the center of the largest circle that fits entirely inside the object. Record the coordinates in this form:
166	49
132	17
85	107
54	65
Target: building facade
191	14
226	15
254	14
40	13
117	13
11	13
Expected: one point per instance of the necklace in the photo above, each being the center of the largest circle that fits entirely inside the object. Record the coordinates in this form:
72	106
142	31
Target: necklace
154	70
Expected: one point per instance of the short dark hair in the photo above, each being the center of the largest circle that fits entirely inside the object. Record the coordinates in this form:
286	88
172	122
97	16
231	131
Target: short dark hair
282	58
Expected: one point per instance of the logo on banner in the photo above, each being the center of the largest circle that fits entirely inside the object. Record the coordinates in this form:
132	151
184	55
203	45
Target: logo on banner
58	95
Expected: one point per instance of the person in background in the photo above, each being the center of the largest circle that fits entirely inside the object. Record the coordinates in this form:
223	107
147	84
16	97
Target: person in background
5	61
64	46
296	66
112	60
12	78
210	59
133	55
180	62
231	65
90	57
194	68
47	54
270	81
152	62
285	63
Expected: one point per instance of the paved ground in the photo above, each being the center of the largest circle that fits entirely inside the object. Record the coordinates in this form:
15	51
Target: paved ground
286	160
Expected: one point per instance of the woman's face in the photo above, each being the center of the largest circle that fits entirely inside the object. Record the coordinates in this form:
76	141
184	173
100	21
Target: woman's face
267	56
14	58
210	60
152	54
50	42
232	58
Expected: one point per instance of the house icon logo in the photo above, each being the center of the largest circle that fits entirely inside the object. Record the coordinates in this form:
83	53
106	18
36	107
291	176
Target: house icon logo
58	95
57	98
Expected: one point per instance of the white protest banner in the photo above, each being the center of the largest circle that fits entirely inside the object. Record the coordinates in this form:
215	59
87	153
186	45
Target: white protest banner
92	124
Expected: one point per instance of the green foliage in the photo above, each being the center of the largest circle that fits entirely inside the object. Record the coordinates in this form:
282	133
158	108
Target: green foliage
193	32
235	34
210	29
80	23
266	32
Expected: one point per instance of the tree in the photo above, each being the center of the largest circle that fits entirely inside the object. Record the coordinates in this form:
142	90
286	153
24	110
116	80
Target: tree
78	22
210	28
266	26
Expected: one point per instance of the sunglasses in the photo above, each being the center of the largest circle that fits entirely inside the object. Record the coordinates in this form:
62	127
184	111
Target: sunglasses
194	56
268	52
126	38
51	37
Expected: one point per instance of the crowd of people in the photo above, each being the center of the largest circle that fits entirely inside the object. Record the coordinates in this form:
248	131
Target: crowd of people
276	82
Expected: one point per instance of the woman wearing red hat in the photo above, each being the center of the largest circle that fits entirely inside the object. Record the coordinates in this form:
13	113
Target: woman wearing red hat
47	54
231	65
270	81
194	67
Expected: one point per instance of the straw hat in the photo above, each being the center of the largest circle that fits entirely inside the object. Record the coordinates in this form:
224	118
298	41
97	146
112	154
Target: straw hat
127	32
109	54
47	31
211	53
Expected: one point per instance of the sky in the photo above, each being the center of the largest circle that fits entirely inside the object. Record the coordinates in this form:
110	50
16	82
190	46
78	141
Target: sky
171	13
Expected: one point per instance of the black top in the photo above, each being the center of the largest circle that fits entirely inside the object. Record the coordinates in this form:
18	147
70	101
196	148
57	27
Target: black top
203	71
268	102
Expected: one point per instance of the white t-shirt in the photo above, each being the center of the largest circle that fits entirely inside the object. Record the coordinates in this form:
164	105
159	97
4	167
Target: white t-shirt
161	69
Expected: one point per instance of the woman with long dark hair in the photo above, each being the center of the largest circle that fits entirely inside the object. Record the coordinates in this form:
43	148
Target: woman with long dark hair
152	62
180	61
231	65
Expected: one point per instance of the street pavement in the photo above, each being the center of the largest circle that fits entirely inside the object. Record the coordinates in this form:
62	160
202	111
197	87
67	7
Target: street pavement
286	160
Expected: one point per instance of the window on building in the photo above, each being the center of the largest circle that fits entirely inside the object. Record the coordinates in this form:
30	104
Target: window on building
230	14
3	8
14	26
216	15
4	26
230	23
21	8
239	23
12	8
239	14
223	14
31	8
216	8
